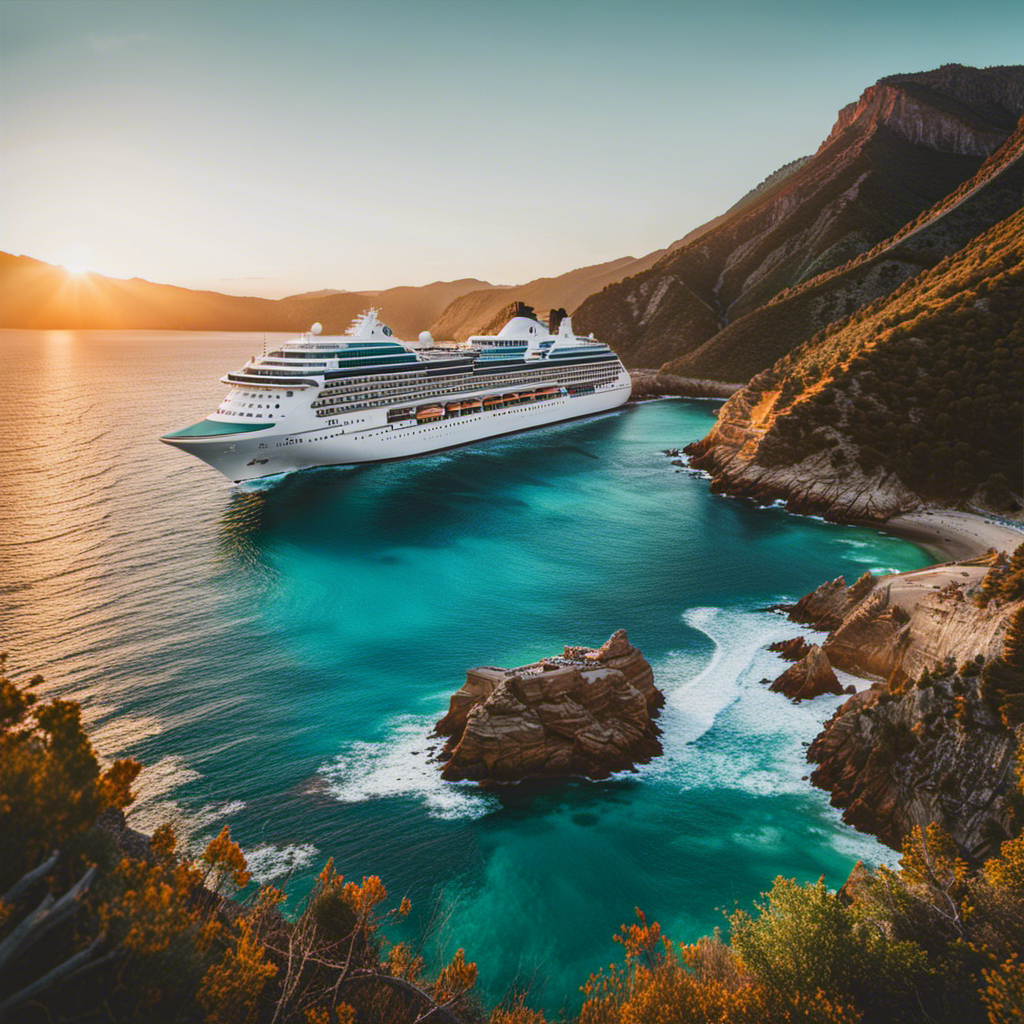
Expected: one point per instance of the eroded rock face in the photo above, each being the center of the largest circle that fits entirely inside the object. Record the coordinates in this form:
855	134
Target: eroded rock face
588	712
905	623
914	748
935	753
790	650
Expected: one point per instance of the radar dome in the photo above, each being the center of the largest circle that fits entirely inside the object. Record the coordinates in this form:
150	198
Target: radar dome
426	338
316	328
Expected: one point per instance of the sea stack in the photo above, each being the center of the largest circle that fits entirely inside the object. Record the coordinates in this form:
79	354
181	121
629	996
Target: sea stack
588	712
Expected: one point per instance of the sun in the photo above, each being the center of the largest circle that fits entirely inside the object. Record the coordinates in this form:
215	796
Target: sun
77	258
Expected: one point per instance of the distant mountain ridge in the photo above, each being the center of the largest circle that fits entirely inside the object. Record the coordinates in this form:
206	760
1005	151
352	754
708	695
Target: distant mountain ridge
472	313
34	294
743	348
907	142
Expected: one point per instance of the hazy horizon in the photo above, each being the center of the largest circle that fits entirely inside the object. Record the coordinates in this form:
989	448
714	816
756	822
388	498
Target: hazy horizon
270	149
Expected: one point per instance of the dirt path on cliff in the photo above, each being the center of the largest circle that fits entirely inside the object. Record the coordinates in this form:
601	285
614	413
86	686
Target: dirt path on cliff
955	535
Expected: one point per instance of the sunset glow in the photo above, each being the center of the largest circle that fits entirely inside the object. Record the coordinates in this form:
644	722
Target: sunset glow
78	259
153	142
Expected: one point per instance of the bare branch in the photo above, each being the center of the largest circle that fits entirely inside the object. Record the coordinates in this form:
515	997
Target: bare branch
30	878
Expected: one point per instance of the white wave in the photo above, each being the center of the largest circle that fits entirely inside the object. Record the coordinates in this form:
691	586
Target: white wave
266	862
402	765
209	813
724	729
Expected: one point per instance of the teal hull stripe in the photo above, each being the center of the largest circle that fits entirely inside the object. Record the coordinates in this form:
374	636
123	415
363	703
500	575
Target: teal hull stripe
211	428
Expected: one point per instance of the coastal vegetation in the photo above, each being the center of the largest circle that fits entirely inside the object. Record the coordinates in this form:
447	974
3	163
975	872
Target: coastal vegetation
137	929
915	396
926	383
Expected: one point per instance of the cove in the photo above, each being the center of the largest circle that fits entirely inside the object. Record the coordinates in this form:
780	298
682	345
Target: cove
277	653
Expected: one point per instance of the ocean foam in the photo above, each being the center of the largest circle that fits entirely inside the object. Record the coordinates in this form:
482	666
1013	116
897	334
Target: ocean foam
401	766
268	861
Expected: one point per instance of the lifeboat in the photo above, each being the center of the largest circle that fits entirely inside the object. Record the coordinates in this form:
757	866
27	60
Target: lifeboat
453	408
429	412
546	391
527	396
473	406
514	397
492	401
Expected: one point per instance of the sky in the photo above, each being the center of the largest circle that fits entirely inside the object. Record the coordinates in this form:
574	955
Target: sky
273	148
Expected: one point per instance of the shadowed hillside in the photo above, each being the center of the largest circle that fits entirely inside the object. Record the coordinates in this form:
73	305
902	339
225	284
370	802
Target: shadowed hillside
916	396
753	342
34	294
907	143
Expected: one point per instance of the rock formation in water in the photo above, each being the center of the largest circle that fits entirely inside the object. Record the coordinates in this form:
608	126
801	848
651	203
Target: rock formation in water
906	623
790	650
588	712
809	677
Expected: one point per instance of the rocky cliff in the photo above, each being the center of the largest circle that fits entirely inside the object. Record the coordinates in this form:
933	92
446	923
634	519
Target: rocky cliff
588	712
926	742
934	751
917	396
883	626
907	143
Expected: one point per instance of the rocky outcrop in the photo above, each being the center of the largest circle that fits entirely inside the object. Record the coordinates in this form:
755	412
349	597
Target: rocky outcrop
588	712
655	384
922	744
790	650
846	426
935	752
810	677
905	623
811	485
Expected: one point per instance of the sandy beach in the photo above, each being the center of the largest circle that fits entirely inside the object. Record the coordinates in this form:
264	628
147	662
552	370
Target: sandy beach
955	535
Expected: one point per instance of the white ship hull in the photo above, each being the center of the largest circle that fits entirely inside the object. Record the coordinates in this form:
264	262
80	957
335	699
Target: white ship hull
263	453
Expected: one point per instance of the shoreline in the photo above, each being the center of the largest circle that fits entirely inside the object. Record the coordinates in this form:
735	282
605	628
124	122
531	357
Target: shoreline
648	384
953	535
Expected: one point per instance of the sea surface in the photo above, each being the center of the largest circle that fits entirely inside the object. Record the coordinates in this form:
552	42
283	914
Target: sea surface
276	653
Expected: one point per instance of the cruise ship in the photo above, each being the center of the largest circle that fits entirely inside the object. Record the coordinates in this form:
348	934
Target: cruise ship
366	396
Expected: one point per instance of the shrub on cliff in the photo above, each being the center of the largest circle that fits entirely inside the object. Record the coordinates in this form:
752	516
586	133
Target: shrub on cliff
929	943
147	932
1004	580
1002	679
52	788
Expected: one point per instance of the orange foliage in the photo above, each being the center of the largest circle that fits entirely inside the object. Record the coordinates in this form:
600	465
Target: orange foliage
1003	994
231	987
457	977
225	861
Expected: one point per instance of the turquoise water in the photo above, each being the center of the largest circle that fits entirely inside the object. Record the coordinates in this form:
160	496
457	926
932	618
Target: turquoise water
277	653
